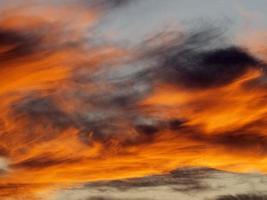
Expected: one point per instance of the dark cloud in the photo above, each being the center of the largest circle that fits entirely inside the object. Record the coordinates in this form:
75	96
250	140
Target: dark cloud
101	123
217	67
176	124
43	161
182	179
15	188
109	198
243	197
108	4
40	119
3	151
116	3
194	61
147	129
41	110
243	141
244	138
104	103
183	183
17	44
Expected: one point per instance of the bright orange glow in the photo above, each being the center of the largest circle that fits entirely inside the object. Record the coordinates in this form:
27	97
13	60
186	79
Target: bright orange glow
51	158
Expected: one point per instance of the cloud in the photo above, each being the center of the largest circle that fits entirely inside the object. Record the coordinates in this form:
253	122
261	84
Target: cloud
198	60
186	183
243	197
16	44
108	4
3	165
43	161
161	105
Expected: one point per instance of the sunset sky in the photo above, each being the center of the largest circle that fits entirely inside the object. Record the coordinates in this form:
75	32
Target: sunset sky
133	100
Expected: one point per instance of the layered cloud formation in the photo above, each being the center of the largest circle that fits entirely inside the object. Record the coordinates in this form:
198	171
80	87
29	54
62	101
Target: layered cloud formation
74	110
190	183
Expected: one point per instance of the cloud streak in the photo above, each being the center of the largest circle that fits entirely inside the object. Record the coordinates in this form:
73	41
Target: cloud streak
73	111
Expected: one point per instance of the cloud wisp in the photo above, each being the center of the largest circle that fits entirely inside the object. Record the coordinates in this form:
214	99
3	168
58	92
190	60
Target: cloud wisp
74	111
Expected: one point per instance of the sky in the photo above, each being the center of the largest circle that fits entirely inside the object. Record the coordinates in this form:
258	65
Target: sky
115	99
139	19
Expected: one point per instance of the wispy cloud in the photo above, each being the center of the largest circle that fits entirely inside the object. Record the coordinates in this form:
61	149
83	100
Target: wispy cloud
74	111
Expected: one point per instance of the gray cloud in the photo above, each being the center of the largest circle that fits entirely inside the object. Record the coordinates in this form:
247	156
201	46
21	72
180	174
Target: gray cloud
187	184
243	197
